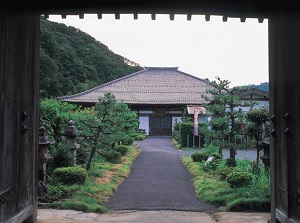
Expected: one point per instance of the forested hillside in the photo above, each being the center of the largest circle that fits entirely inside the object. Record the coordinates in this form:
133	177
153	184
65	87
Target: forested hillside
262	86
72	61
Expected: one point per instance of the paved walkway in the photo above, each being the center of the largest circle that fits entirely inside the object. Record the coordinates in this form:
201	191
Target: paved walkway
158	181
165	216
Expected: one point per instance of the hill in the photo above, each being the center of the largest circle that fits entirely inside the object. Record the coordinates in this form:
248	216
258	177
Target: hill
262	86
71	61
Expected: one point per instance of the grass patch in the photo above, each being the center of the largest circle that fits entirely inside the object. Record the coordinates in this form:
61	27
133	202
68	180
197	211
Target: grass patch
104	179
211	189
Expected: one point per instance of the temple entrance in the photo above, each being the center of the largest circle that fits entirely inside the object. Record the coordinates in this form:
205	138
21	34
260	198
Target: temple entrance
160	125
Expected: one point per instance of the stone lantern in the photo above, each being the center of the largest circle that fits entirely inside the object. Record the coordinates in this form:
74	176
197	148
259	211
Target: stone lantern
44	143
70	134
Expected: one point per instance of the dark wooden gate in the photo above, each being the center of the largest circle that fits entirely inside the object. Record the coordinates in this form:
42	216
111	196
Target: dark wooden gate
19	64
160	125
284	40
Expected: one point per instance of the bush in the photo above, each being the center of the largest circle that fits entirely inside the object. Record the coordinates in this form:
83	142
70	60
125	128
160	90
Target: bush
199	156
239	178
121	149
69	175
127	141
57	192
224	172
211	150
218	156
111	156
60	157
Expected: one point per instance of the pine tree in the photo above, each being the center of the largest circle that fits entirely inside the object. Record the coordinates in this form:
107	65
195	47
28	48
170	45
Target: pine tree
114	123
225	108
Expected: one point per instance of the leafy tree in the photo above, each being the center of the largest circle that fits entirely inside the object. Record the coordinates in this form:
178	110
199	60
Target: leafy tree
257	124
54	116
113	123
224	106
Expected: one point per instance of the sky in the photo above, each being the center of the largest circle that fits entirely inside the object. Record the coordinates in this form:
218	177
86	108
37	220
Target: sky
231	50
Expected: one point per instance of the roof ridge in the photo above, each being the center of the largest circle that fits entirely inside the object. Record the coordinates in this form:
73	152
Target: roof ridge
162	68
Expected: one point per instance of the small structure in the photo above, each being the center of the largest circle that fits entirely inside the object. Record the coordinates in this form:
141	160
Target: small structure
254	94
70	134
44	143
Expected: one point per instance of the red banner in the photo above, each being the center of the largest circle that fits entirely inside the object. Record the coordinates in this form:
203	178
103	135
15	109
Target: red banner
196	113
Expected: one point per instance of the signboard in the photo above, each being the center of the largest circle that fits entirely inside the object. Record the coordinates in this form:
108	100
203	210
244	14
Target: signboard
196	111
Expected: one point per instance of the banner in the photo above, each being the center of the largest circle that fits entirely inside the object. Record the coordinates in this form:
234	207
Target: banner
196	113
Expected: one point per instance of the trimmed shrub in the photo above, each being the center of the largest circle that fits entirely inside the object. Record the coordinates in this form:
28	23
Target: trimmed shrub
111	156
199	156
69	175
127	141
121	149
239	178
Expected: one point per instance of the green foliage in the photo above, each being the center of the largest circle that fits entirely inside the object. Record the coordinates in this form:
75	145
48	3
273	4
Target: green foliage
254	196
199	156
257	117
121	149
60	157
113	123
212	150
57	192
69	175
258	126
141	135
111	156
71	61
54	116
239	178
187	128
223	172
99	186
230	162
224	105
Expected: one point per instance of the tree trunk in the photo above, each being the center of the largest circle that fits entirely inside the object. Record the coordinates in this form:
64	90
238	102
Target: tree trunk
89	162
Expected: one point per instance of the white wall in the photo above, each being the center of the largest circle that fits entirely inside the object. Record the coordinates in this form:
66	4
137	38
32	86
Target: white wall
144	123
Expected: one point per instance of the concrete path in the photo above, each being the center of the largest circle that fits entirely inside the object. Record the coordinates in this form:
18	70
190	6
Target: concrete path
165	216
158	181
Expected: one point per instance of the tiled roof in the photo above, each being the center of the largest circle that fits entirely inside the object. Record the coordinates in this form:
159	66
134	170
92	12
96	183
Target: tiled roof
254	91
152	85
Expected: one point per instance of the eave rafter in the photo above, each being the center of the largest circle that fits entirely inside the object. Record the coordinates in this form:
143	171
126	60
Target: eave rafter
242	9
